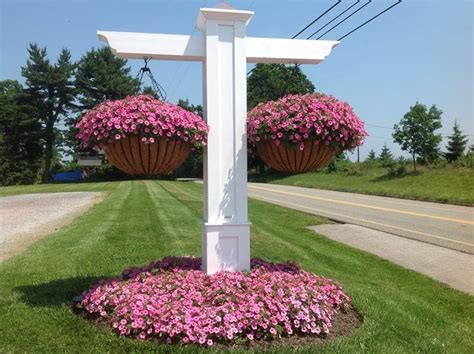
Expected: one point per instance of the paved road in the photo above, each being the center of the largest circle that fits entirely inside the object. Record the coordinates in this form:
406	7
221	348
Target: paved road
444	225
26	218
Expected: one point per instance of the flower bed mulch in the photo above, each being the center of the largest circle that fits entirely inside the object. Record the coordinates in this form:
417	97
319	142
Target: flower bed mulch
173	301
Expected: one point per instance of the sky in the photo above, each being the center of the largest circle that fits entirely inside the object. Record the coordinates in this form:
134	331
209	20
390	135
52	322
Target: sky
421	50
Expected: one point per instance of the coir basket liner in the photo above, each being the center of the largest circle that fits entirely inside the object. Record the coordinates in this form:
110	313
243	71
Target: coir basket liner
293	160
136	158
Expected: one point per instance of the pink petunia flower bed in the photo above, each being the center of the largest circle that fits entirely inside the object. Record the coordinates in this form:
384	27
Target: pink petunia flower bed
174	301
297	120
142	115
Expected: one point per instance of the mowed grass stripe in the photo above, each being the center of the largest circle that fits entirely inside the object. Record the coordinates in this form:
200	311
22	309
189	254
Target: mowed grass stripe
180	226
190	199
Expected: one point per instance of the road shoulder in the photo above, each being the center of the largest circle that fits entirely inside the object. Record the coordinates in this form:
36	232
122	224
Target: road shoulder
445	265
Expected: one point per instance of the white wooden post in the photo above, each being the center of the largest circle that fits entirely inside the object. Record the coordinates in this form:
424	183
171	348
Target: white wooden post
224	50
226	230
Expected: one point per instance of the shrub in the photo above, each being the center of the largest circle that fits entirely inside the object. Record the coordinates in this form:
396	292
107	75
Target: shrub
174	301
142	115
397	171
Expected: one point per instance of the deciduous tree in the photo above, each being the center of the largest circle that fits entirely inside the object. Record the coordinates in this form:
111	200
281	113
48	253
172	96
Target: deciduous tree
269	82
416	132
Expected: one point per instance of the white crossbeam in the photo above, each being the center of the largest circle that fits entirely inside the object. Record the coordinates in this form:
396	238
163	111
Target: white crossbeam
133	45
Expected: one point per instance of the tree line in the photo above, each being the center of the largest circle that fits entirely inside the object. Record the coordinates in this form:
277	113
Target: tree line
416	134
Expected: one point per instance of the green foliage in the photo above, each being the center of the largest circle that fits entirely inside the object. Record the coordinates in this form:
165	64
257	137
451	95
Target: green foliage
106	172
270	82
148	90
397	170
103	76
20	136
100	76
371	157
456	144
339	159
52	91
416	132
386	157
196	109
193	166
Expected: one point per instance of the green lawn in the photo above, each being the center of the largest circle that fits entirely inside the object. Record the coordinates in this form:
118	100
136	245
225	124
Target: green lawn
455	186
144	220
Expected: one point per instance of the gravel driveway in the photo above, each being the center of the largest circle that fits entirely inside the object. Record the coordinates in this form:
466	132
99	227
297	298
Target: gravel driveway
24	219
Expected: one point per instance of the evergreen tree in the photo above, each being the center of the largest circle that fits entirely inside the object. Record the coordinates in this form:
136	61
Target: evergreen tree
470	154
102	76
196	109
456	144
270	82
20	136
193	166
51	88
386	156
371	157
416	132
148	90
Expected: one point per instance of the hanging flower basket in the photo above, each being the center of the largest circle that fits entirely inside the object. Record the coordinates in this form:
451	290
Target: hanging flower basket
142	135
298	134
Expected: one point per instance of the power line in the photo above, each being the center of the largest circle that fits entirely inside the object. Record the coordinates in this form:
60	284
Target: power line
250	5
345	19
179	66
308	25
334	19
378	137
378	126
381	126
340	22
316	19
370	20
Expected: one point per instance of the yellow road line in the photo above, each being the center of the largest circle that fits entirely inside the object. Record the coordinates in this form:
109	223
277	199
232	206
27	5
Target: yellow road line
391	200
358	219
368	206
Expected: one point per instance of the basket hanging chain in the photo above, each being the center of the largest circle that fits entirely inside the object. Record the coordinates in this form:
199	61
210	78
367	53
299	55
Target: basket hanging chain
159	91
